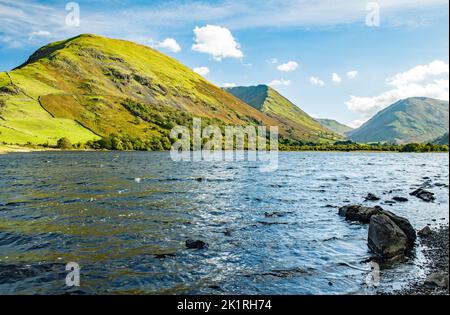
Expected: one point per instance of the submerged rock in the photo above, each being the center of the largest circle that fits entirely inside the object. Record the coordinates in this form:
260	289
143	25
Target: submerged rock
400	199
386	239
191	244
423	194
372	197
359	213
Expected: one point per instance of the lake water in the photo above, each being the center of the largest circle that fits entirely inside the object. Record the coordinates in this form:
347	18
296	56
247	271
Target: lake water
124	218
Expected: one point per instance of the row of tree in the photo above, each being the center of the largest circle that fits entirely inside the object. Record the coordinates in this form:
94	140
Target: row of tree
163	143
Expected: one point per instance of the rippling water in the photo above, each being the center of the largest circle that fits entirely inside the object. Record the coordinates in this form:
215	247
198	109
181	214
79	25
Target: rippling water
128	234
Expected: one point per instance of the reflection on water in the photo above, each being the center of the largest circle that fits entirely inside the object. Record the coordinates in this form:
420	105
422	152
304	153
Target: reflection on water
268	233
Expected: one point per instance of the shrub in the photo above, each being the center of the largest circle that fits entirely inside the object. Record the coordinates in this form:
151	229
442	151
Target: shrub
64	144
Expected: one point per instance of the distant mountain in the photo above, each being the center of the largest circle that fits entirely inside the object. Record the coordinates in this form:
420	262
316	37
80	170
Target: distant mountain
441	140
276	106
335	126
416	119
90	86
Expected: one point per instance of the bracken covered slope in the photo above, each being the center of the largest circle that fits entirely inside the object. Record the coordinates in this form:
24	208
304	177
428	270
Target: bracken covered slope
90	86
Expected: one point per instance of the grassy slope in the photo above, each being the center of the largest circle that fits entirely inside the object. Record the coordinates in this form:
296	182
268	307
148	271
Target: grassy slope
335	126
77	88
415	119
441	140
273	104
22	119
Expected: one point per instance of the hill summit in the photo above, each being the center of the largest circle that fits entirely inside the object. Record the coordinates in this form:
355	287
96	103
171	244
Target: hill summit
89	86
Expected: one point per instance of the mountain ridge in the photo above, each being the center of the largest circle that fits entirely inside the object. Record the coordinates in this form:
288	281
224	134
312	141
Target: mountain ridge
335	126
272	103
415	119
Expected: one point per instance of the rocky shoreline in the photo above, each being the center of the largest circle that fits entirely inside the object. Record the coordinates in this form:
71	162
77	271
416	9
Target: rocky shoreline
436	250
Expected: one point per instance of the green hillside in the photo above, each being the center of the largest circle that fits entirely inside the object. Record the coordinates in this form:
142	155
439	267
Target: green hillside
276	106
416	119
441	140
335	126
89	86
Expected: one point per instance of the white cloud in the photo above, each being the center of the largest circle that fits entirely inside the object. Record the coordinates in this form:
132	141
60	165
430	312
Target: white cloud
357	123
429	80
216	41
39	33
169	44
229	85
288	66
419	73
280	82
272	61
316	81
352	74
336	78
202	70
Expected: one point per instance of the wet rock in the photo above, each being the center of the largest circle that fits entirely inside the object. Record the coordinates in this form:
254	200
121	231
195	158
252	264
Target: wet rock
425	232
372	197
423	194
164	256
191	244
359	213
400	199
273	214
438	279
405	226
386	239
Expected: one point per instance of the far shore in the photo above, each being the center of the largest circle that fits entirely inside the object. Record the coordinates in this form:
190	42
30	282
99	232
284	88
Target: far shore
4	149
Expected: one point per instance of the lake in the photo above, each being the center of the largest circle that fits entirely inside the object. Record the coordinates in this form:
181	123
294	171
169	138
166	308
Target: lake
124	218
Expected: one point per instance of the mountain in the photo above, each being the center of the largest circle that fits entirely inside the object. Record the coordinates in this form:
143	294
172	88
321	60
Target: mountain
416	119
335	126
276	106
90	86
441	140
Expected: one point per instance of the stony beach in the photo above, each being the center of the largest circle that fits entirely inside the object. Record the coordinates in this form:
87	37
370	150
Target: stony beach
436	248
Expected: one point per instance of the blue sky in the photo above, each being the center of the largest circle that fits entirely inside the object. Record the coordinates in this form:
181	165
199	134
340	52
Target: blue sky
321	54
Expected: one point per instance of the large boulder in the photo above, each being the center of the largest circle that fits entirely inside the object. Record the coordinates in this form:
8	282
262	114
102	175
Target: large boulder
386	239
404	225
438	279
359	213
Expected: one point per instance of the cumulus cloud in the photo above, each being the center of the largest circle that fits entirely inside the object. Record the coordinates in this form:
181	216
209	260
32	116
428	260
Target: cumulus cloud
419	73
288	66
169	44
280	82
229	85
202	70
216	41
336	78
352	74
316	81
429	80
